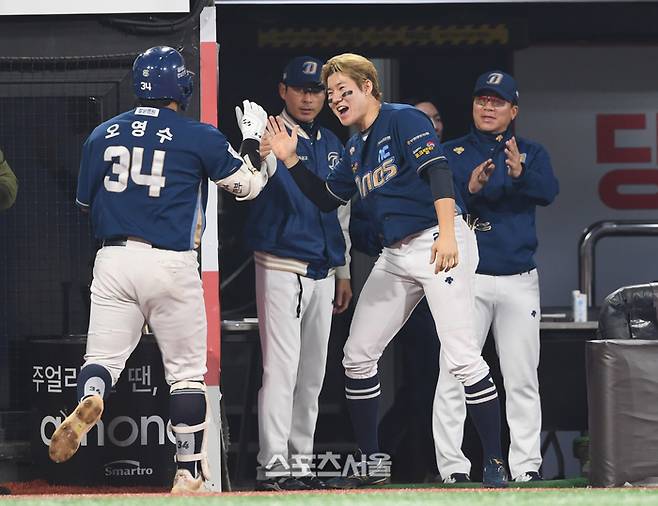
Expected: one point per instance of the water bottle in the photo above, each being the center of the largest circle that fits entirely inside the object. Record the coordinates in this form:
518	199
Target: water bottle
579	303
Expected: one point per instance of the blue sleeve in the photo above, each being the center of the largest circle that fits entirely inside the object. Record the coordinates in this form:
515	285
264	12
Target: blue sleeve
83	194
340	180
220	160
416	138
537	181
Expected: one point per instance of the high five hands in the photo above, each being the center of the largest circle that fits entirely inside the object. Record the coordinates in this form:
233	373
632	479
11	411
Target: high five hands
282	143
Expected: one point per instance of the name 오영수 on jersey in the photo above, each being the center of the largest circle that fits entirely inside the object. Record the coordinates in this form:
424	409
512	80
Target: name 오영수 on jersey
125	160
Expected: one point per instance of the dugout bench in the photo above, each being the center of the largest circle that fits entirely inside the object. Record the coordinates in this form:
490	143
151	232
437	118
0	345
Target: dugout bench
561	375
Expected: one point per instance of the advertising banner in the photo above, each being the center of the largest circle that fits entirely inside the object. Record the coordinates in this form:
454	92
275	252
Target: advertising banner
131	445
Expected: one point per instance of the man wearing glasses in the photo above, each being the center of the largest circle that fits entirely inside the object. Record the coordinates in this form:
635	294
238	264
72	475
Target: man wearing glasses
502	179
302	278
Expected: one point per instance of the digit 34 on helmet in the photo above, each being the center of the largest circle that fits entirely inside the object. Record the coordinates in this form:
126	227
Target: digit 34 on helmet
160	73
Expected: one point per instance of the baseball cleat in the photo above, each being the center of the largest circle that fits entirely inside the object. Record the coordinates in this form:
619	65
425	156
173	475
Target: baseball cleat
528	476
377	474
356	481
313	482
494	474
185	484
66	438
457	478
281	484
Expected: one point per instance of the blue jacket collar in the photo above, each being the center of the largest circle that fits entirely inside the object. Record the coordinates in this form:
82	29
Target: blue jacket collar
304	129
492	140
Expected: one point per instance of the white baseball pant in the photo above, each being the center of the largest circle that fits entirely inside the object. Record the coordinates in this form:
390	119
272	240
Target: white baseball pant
134	283
509	305
294	319
401	275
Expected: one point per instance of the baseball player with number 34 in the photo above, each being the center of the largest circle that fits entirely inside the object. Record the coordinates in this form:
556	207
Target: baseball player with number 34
396	164
143	178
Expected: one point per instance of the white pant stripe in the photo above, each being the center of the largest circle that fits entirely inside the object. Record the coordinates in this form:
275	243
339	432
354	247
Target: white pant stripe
482	392
480	401
359	397
362	391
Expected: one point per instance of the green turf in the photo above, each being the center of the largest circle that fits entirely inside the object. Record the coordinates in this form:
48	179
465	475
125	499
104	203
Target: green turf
564	497
569	483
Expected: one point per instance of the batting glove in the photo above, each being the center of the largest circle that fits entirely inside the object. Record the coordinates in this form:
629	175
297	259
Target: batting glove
252	121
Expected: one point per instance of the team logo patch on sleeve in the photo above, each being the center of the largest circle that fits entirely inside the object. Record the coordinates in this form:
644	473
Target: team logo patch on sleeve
425	150
459	150
417	137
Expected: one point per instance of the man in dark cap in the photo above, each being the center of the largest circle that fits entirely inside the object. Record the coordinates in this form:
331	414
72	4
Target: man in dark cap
503	178
302	272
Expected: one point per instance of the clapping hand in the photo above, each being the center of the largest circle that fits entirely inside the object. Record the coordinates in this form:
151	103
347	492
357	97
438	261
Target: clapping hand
513	161
480	175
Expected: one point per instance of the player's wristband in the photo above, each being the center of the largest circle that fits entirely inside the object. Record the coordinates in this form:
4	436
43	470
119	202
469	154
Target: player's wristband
250	147
440	179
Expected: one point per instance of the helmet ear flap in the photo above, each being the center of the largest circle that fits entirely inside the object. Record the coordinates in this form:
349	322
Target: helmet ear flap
186	85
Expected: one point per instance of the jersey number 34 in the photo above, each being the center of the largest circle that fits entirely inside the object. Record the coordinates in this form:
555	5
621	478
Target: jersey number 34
125	164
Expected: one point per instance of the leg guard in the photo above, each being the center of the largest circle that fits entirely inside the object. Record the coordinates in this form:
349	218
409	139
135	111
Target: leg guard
189	420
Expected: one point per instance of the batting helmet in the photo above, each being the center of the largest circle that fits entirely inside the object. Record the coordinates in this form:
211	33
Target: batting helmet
159	72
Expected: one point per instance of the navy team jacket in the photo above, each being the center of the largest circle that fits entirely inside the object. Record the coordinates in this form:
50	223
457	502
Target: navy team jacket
284	223
508	204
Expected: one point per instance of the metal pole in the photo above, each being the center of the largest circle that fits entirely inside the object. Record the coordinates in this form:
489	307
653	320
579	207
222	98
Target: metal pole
587	246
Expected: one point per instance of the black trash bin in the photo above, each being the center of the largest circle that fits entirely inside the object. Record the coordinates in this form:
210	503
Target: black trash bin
130	445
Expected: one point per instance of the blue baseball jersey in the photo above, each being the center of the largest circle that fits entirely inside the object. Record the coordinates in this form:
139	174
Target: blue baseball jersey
508	204
386	169
145	173
283	222
362	234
